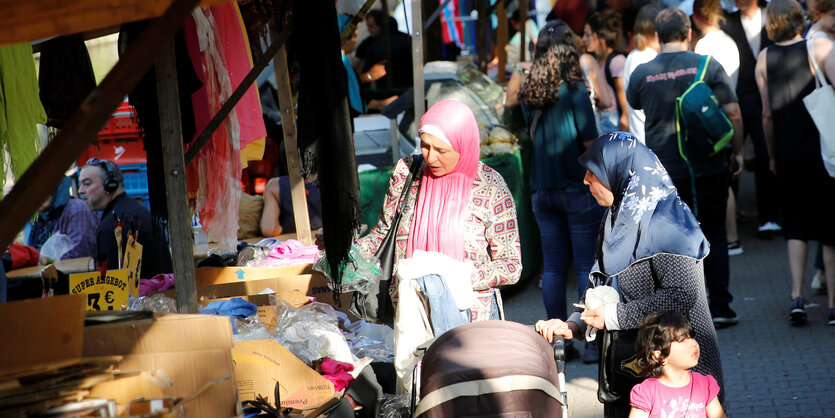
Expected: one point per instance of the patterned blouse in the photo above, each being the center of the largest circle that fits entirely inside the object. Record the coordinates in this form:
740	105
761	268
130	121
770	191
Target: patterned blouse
491	239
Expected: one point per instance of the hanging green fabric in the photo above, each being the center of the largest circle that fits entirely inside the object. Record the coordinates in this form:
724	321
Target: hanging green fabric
20	108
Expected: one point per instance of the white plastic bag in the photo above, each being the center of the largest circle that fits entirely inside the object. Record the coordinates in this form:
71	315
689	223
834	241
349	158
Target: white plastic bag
55	247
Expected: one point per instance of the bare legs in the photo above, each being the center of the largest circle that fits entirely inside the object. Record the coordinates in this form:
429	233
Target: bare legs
829	268
730	218
798	252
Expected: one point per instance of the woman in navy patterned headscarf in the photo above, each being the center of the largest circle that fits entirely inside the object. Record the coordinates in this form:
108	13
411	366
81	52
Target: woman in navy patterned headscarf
650	248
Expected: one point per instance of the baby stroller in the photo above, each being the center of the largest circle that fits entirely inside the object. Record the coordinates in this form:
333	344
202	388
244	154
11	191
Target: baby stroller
491	368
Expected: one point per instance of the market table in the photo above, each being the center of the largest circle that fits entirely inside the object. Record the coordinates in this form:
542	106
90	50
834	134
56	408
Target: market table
68	266
374	185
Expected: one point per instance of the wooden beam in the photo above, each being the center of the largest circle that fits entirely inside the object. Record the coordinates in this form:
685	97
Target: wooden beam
359	17
481	26
30	20
501	40
417	59
235	97
46	171
176	193
523	19
291	147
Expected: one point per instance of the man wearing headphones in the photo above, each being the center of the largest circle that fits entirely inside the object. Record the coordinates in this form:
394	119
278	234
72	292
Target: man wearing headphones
101	187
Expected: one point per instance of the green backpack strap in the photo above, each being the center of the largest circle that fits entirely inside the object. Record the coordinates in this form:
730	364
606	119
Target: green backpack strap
703	62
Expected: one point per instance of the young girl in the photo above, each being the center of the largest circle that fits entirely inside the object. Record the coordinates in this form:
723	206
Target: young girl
666	353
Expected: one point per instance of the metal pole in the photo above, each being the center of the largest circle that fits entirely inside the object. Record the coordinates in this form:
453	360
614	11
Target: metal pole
417	58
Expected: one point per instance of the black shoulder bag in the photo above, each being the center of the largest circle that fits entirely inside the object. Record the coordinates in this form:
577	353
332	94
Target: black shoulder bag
618	371
377	306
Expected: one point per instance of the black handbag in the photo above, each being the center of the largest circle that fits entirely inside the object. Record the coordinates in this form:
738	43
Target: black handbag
618	371
376	306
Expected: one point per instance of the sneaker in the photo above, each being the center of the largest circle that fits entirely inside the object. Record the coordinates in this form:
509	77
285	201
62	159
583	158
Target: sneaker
734	248
723	318
797	315
830	317
768	230
592	356
819	283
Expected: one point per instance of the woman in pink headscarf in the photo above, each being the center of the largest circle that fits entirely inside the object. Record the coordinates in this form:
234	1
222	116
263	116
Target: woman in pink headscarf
458	207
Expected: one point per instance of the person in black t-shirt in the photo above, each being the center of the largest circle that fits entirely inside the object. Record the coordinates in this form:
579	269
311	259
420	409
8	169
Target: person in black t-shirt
102	189
372	51
654	87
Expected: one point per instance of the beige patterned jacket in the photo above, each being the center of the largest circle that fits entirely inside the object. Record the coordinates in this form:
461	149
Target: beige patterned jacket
491	239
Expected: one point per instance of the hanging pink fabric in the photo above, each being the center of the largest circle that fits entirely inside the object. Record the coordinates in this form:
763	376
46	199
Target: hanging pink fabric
219	163
238	60
439	211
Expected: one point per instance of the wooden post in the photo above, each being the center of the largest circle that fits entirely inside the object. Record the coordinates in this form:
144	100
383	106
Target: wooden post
501	35
291	147
417	59
176	193
40	179
481	26
523	19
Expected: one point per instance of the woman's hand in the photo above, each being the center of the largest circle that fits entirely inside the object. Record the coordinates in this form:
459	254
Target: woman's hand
595	317
553	327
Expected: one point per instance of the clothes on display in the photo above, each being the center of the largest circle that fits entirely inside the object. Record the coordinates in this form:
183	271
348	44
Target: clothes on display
220	52
20	109
65	77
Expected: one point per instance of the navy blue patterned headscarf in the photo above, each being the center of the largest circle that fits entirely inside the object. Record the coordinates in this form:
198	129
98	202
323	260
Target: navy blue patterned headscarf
647	217
42	228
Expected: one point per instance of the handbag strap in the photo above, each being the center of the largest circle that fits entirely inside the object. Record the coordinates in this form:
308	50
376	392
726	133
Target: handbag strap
414	170
820	80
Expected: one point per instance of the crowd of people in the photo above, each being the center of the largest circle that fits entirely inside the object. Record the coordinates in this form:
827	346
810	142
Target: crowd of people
669	227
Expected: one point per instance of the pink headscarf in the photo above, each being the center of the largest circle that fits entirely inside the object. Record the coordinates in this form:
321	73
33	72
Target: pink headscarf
439	211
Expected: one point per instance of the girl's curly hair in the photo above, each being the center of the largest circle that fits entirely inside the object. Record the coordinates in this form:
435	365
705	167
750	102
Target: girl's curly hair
656	333
556	60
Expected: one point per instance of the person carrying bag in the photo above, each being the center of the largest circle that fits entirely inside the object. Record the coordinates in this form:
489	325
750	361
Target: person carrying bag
651	249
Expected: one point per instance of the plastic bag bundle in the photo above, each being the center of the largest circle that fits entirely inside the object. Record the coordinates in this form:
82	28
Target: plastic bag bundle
395	406
55	247
362	346
311	333
369	340
250	328
360	275
155	303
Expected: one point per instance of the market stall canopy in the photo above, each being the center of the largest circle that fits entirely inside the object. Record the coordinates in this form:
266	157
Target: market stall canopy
30	20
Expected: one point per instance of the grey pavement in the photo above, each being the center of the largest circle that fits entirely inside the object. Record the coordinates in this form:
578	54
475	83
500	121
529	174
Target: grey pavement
772	369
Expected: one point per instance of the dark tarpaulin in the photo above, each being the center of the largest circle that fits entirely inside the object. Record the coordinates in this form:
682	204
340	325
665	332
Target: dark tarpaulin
144	99
65	78
324	124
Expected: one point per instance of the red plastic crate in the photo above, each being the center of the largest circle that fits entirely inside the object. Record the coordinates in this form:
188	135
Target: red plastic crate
120	140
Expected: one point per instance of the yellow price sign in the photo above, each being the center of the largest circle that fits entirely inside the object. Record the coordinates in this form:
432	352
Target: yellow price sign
104	293
133	264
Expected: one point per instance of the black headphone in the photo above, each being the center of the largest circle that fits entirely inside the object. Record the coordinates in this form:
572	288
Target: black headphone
113	179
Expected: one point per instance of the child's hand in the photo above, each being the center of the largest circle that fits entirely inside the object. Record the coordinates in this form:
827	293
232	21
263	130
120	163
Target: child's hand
553	327
595	317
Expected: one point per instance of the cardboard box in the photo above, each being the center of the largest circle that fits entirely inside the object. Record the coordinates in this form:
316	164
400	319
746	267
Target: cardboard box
187	355
37	331
225	282
260	364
